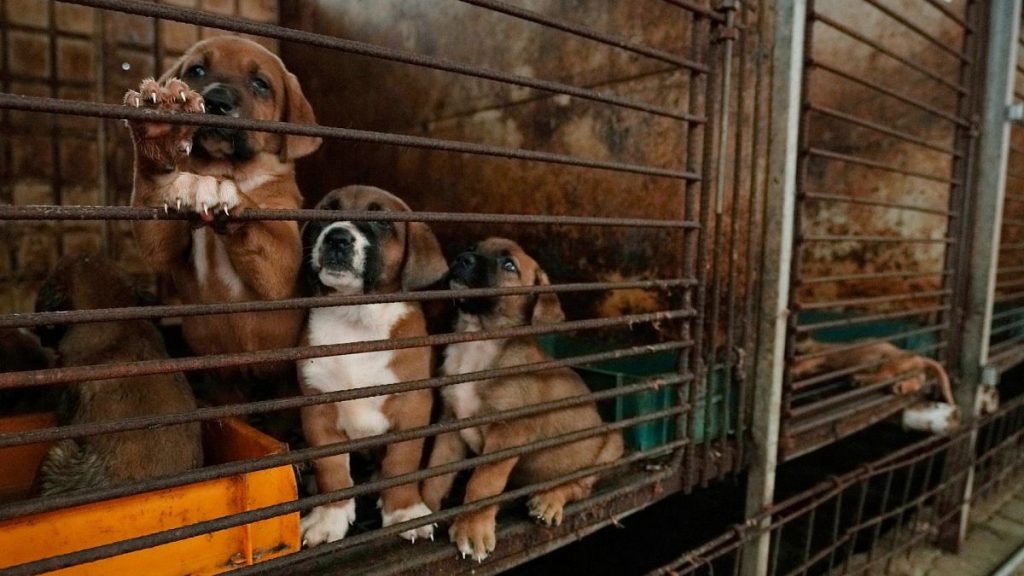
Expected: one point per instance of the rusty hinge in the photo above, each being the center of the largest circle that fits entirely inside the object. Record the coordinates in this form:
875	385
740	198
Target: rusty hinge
728	29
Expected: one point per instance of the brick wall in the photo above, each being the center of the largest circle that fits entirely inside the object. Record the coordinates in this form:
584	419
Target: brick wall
58	50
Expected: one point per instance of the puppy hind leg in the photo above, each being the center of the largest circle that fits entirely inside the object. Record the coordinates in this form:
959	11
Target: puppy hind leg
547	506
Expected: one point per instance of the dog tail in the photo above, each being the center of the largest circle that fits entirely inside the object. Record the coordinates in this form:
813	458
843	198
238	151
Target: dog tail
940	373
70	466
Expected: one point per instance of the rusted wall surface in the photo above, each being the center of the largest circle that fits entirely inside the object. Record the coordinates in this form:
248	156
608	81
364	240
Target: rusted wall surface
370	94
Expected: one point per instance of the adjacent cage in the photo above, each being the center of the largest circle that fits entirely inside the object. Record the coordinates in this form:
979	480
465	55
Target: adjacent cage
1006	336
629	162
884	168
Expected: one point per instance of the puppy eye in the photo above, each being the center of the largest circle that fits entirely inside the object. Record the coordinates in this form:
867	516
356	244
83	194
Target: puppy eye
508	265
382	225
195	71
259	84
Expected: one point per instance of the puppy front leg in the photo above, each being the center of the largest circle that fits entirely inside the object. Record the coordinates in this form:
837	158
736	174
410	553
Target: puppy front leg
267	255
403	503
160	152
448	448
329	522
474	532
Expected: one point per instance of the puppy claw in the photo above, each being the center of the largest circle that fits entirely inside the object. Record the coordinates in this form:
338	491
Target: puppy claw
206	209
224	207
202	107
153	97
177	204
167	209
183	96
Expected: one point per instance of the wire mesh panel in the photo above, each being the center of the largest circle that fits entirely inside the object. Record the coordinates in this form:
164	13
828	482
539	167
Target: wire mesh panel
864	521
658	226
1006	335
885	153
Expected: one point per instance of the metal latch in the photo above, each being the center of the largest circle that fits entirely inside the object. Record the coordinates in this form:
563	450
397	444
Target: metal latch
1016	112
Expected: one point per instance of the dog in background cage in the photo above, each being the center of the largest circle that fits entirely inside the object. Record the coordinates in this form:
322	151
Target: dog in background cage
495	263
214	173
92	282
374	257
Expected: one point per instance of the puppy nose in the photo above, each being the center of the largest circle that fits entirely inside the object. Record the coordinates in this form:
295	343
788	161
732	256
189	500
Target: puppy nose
463	263
221	100
339	238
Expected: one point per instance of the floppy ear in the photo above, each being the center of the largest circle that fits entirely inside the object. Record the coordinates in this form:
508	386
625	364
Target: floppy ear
297	110
547	309
424	262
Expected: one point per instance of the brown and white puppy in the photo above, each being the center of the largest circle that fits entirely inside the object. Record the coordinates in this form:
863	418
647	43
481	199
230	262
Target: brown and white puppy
366	258
215	171
494	263
91	282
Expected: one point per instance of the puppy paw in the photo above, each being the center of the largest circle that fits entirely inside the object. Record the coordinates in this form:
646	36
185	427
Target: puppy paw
546	507
327	523
204	195
473	533
417	510
161	144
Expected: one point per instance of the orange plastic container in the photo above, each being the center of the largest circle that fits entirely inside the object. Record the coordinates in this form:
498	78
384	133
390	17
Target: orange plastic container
39	536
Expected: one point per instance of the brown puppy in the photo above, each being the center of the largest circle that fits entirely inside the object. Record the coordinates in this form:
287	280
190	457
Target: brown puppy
90	282
364	258
225	171
877	362
496	263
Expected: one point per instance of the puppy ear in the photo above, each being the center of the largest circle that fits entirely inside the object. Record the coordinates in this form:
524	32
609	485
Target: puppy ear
424	262
547	309
297	110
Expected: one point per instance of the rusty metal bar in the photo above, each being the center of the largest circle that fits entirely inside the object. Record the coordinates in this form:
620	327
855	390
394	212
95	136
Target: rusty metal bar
67	500
874	239
32	319
113	111
164	366
850	395
239	519
877	203
586	32
945	9
787	94
868	124
851	302
107	213
913	102
871	342
859	161
854	320
8	439
208	19
850	32
861	276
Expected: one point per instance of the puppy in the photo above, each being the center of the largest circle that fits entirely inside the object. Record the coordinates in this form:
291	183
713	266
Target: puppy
88	282
218	171
502	263
366	258
881	361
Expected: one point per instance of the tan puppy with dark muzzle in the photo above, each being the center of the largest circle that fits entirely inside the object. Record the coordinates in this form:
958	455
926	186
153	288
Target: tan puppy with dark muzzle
367	258
217	171
91	282
494	263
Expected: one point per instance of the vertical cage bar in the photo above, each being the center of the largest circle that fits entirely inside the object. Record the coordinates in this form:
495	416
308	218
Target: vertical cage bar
780	202
990	188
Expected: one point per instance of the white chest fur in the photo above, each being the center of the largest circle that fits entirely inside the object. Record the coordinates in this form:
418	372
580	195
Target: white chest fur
464	399
343	324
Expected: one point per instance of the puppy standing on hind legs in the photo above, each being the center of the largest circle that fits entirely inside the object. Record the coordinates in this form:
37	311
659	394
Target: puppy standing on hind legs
214	172
496	263
367	258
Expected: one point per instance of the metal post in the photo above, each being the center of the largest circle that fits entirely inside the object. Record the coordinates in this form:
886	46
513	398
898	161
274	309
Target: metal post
990	186
780	204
